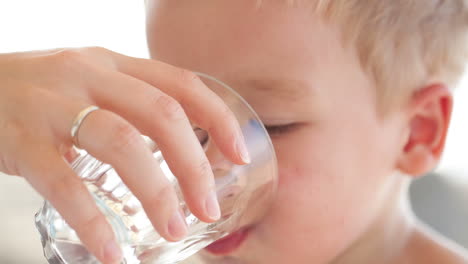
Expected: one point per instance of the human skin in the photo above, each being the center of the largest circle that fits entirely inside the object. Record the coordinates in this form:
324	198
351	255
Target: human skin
41	93
343	165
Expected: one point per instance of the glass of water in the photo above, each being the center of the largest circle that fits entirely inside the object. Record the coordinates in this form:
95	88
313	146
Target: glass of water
244	193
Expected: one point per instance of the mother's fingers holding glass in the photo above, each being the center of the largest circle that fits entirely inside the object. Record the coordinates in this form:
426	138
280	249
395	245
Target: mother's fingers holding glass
162	118
46	170
113	140
201	104
43	96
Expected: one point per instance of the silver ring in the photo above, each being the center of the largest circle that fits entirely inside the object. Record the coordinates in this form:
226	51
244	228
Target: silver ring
78	121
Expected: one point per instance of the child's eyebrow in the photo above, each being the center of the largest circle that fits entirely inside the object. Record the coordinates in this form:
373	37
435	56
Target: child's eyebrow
288	89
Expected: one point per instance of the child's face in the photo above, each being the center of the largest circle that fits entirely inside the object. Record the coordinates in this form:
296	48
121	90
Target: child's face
336	158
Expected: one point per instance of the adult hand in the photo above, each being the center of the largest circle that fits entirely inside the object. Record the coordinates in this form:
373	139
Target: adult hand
41	93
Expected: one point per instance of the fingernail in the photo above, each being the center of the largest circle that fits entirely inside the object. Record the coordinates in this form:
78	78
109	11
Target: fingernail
242	149
112	252
177	227
212	206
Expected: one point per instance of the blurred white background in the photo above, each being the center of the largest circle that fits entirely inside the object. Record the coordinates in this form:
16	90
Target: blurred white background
119	25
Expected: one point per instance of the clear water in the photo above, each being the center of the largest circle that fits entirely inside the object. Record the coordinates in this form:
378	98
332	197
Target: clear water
139	241
244	192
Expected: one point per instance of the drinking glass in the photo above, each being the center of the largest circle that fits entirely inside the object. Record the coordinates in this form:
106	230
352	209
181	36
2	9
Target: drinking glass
244	193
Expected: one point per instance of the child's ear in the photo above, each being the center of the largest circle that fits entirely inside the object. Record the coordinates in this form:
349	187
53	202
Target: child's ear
429	112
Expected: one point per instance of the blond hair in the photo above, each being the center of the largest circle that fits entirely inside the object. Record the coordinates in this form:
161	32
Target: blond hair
402	44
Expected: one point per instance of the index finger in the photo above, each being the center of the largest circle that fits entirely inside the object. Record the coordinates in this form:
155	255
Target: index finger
201	104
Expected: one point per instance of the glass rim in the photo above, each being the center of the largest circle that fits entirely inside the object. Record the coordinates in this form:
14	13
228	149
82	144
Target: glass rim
251	110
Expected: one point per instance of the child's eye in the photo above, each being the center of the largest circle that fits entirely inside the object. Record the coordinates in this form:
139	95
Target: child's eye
276	130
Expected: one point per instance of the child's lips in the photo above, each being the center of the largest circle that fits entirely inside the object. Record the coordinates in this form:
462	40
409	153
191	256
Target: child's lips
228	244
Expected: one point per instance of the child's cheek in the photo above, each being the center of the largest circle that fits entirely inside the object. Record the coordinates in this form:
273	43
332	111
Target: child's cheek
299	172
297	185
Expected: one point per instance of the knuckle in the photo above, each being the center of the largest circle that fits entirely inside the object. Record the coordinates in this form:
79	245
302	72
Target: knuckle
63	186
100	56
226	114
70	55
8	165
70	59
222	119
123	137
169	107
94	50
91	224
162	194
158	199
203	169
186	78
82	59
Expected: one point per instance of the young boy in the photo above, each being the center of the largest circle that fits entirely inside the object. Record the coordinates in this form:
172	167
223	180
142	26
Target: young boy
357	98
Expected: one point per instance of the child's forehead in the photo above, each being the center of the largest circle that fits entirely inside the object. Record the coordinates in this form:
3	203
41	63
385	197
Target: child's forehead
269	52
